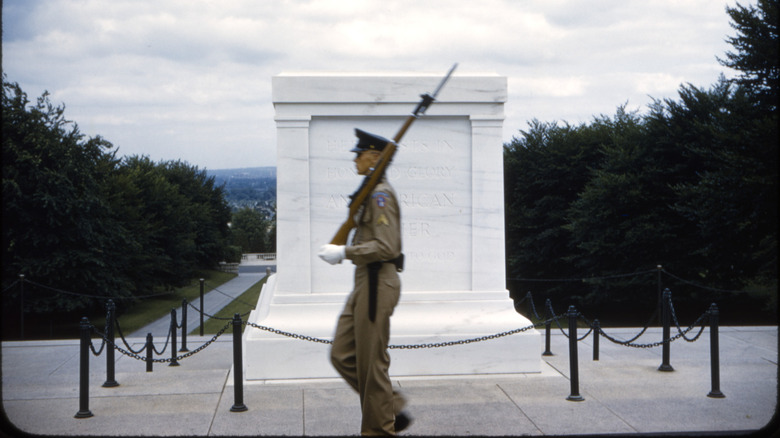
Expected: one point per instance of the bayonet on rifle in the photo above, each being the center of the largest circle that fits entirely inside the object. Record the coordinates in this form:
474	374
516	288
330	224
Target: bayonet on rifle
371	180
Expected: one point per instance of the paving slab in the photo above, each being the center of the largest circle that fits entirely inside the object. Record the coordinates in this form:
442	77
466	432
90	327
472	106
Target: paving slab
453	408
624	393
270	411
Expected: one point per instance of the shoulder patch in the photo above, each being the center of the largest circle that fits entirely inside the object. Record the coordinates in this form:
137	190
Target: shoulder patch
381	199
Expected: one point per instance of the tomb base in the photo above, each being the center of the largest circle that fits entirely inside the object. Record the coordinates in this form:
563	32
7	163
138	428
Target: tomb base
420	318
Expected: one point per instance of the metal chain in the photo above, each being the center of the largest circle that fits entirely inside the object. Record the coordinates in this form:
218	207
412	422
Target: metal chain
165	347
533	307
641	332
92	347
217	317
231	297
555	318
589	325
401	347
463	341
166	360
658	344
674	318
10	286
122	336
288	334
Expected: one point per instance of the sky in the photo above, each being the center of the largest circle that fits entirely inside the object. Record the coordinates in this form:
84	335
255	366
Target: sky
190	80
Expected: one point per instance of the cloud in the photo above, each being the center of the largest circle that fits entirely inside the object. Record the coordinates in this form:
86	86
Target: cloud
192	79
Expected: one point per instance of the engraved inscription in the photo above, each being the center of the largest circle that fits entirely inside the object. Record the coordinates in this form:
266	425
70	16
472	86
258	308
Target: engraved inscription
429	172
421	145
338	144
338	201
428	200
416	229
431	256
341	172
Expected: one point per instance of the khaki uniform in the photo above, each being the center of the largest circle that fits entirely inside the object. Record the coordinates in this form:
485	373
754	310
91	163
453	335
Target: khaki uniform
359	351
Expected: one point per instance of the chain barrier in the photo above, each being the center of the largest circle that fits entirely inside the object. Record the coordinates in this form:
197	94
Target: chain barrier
10	286
288	334
122	336
54	289
548	280
232	297
555	318
243	315
531	302
660	343
165	347
464	341
102	346
598	331
691	283
630	343
680	331
580	316
137	356
401	347
584	280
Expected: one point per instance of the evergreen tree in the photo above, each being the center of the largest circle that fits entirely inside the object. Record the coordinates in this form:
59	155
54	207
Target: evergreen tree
757	46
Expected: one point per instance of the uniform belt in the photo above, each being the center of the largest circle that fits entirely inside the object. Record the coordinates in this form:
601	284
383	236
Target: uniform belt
373	281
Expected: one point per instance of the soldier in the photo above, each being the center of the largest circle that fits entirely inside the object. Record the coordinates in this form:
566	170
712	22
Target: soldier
359	351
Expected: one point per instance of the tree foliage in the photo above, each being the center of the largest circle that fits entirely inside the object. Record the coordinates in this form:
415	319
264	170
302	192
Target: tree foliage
757	46
691	185
77	218
252	231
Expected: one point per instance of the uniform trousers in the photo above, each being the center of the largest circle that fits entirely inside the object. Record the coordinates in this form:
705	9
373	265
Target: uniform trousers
359	351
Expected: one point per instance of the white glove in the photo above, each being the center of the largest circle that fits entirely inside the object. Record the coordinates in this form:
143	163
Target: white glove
333	254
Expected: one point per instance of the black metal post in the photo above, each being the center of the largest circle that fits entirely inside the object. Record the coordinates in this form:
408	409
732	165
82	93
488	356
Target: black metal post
21	312
110	362
183	325
714	353
660	294
174	327
666	332
547	327
238	367
149	352
573	360
596	336
201	305
86	334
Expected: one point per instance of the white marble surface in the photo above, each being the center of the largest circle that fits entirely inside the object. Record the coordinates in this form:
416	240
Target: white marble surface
448	176
418	320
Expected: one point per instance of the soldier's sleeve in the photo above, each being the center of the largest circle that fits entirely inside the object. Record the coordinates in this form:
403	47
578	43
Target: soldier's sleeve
383	231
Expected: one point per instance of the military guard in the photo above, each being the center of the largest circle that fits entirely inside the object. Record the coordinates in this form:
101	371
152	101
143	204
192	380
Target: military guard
359	351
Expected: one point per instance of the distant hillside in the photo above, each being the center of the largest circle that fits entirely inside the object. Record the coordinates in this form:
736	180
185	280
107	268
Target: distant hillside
244	172
253	187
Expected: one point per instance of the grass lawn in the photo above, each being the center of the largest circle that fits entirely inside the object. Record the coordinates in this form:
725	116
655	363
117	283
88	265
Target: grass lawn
241	305
151	309
131	317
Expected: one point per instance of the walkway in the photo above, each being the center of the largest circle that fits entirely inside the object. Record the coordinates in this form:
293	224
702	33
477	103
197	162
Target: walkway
624	393
214	301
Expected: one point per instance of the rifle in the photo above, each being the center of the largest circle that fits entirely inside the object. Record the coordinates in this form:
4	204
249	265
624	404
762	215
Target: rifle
372	179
